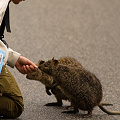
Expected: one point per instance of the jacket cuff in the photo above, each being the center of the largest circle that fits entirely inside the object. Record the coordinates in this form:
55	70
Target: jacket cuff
12	57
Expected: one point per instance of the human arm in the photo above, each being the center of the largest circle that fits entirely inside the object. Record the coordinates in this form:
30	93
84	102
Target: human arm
13	58
22	64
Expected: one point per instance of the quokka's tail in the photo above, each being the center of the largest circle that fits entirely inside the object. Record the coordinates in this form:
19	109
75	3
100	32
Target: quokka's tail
106	104
107	111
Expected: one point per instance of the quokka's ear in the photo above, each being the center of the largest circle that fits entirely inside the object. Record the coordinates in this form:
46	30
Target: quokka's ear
53	58
55	62
41	62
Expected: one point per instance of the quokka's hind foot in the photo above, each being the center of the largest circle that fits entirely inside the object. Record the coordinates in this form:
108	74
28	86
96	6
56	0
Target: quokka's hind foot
69	108
71	111
53	104
87	115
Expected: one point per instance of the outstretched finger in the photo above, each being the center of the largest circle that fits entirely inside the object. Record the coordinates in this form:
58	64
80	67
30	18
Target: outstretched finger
33	68
29	70
25	70
32	64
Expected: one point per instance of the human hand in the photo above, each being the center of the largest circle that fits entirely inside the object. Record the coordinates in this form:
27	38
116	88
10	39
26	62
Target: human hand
25	66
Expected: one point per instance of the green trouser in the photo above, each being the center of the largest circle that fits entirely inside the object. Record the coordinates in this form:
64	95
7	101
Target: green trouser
11	100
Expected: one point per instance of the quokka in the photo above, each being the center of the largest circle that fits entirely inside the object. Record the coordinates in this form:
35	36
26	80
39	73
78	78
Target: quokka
82	87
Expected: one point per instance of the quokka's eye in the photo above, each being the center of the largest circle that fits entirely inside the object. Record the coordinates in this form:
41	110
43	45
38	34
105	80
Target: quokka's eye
45	65
39	66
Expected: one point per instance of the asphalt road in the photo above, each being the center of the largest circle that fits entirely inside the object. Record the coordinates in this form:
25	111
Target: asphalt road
88	30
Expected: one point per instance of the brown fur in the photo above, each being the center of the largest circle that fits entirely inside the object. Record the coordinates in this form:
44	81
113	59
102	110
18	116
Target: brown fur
82	87
47	80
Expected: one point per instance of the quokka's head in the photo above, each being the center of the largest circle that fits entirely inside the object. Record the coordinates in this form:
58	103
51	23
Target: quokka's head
36	75
48	66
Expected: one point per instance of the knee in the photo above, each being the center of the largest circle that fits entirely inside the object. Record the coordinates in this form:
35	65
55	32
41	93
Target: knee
9	108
